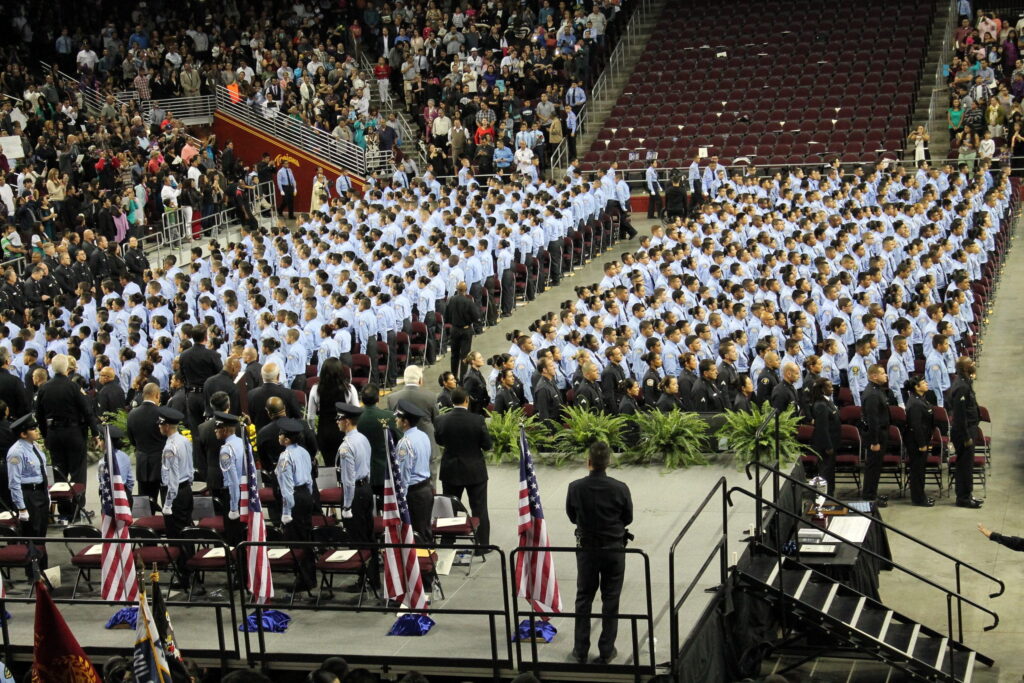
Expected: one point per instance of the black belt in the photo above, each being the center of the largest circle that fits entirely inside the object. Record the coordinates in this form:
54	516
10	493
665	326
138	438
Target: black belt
58	424
185	483
34	487
363	482
425	482
193	390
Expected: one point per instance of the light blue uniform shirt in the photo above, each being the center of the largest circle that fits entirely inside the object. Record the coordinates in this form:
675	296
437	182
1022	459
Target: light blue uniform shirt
26	464
858	376
294	469
232	467
936	376
124	465
414	457
353	464
175	465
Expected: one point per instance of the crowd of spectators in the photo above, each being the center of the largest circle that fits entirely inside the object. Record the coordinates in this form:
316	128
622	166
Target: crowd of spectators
986	88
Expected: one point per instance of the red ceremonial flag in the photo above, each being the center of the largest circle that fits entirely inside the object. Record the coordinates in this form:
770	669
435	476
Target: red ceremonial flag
402	579
535	569
58	656
117	573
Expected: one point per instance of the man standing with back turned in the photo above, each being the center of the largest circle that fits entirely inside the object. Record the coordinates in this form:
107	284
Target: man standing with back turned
601	509
463	313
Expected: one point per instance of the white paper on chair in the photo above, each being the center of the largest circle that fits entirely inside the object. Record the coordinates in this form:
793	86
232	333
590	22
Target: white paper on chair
449	521
7	515
277	553
214	553
341	555
60	486
93	550
445	560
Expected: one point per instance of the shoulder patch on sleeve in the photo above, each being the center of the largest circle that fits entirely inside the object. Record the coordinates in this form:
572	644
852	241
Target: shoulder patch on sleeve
764	380
935	368
13	460
650	382
855	369
282	461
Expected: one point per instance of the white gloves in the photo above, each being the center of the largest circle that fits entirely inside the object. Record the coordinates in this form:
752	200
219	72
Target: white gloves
233	514
286	519
346	513
23	515
166	510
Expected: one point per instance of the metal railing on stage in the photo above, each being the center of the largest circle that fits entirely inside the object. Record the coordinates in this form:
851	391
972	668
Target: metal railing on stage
197	109
499	627
637	667
226	624
178	231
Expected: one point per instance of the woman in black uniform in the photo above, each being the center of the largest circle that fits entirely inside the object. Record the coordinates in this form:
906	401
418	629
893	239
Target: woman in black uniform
920	427
825	437
474	383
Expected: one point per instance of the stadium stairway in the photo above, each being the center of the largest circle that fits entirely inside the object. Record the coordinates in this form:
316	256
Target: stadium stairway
618	74
850	620
934	84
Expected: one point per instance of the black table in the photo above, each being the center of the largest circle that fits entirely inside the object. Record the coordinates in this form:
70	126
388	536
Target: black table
849	565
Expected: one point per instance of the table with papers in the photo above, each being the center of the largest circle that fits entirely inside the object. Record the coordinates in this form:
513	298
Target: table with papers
848	564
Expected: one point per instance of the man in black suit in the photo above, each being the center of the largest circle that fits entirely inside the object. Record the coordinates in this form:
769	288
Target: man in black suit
465	438
144	434
197	364
12	390
784	394
252	376
271	387
224	381
110	398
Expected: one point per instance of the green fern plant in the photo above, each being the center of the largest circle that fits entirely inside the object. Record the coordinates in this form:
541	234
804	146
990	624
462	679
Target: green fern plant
582	428
740	431
676	439
504	429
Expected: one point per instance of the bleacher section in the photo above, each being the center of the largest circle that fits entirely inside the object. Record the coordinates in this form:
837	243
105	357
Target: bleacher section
779	82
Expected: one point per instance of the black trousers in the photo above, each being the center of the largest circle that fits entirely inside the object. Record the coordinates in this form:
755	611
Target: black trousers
371	351
964	465
462	344
653	204
873	466
181	518
602	568
420	498
508	292
477	494
287	201
195	410
555	253
37	503
827	470
918	460
67	451
360	528
301	529
234	529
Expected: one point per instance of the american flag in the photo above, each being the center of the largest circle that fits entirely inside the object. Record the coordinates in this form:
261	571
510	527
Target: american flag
402	581
535	569
261	585
117	573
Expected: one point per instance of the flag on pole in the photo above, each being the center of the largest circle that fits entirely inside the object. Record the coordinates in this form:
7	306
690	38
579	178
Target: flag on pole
261	584
150	659
162	620
57	656
535	569
117	573
402	581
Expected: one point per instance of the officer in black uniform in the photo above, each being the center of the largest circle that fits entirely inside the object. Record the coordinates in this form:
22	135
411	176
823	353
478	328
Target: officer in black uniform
197	364
463	313
587	394
652	379
707	397
964	420
601	508
144	434
768	378
64	416
875	403
920	427
546	397
784	394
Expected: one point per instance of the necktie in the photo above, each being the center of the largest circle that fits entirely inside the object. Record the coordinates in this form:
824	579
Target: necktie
42	465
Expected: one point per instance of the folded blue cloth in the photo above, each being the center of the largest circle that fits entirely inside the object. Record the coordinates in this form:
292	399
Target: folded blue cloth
274	621
542	630
411	625
124	618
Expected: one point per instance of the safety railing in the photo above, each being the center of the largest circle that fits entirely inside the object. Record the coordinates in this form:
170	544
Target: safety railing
719	549
192	110
406	132
940	90
637	667
952	594
178	229
497	658
341	153
616	63
147	553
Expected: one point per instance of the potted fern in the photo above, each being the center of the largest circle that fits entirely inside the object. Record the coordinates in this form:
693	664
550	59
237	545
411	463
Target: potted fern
504	429
740	431
676	439
582	428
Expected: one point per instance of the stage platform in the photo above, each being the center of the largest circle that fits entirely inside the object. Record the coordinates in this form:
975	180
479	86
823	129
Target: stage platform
458	645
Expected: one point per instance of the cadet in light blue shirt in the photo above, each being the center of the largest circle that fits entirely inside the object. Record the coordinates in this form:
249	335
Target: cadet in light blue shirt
413	452
353	462
176	469
295	477
858	370
935	372
26	476
233	470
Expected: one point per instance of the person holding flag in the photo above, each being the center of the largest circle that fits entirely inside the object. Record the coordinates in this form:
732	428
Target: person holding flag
536	580
233	471
295	476
117	571
601	508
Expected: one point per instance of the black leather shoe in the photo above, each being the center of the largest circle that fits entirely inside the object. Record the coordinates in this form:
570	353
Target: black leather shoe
926	503
969	503
882	501
605	659
577	658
